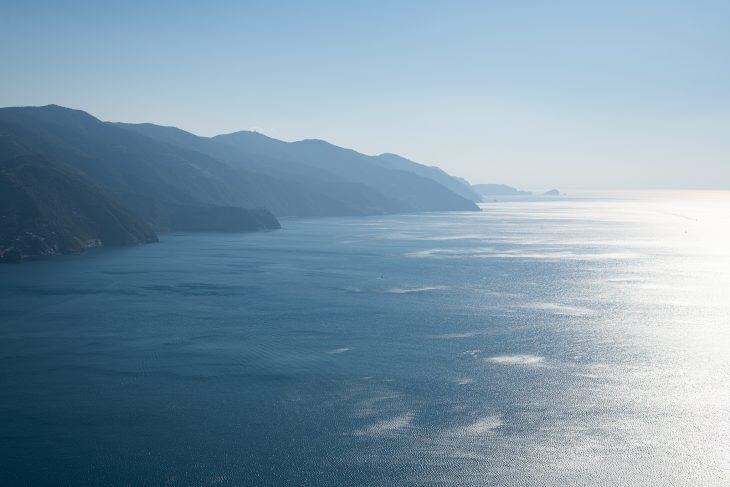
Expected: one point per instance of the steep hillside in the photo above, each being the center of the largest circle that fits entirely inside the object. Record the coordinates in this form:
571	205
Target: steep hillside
47	210
412	191
286	188
161	182
323	179
457	185
70	181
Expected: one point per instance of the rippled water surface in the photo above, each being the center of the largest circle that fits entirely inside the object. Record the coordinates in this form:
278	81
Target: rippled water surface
575	341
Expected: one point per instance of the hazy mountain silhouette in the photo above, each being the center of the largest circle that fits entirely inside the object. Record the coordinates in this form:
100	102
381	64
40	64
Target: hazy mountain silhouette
286	188
353	182
498	190
457	185
71	181
87	183
159	182
412	191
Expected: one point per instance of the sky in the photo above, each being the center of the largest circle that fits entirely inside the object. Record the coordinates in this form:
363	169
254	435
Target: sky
535	94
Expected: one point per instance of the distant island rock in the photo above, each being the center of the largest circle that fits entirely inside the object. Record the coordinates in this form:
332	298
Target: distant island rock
552	192
490	190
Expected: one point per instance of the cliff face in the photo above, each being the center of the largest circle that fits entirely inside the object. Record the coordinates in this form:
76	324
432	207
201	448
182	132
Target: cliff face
46	210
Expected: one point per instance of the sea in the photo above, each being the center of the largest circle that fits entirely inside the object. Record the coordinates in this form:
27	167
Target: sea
566	341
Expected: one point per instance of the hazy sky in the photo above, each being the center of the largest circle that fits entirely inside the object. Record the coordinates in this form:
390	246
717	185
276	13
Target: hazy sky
571	94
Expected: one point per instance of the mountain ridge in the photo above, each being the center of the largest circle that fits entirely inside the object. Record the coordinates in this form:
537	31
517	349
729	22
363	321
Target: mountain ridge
318	162
166	179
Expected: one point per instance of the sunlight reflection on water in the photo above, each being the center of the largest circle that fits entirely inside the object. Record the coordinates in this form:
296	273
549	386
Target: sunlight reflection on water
567	341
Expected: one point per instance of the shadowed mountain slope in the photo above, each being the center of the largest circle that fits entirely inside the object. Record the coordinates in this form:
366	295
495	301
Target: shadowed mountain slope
47	210
387	183
122	180
414	192
159	182
286	188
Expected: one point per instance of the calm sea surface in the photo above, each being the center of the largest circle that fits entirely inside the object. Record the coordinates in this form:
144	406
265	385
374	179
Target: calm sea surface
573	341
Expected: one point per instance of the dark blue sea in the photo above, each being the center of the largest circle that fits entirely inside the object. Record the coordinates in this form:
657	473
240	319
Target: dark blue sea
555	342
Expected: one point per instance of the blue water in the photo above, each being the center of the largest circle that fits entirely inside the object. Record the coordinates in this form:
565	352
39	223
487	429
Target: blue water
579	341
